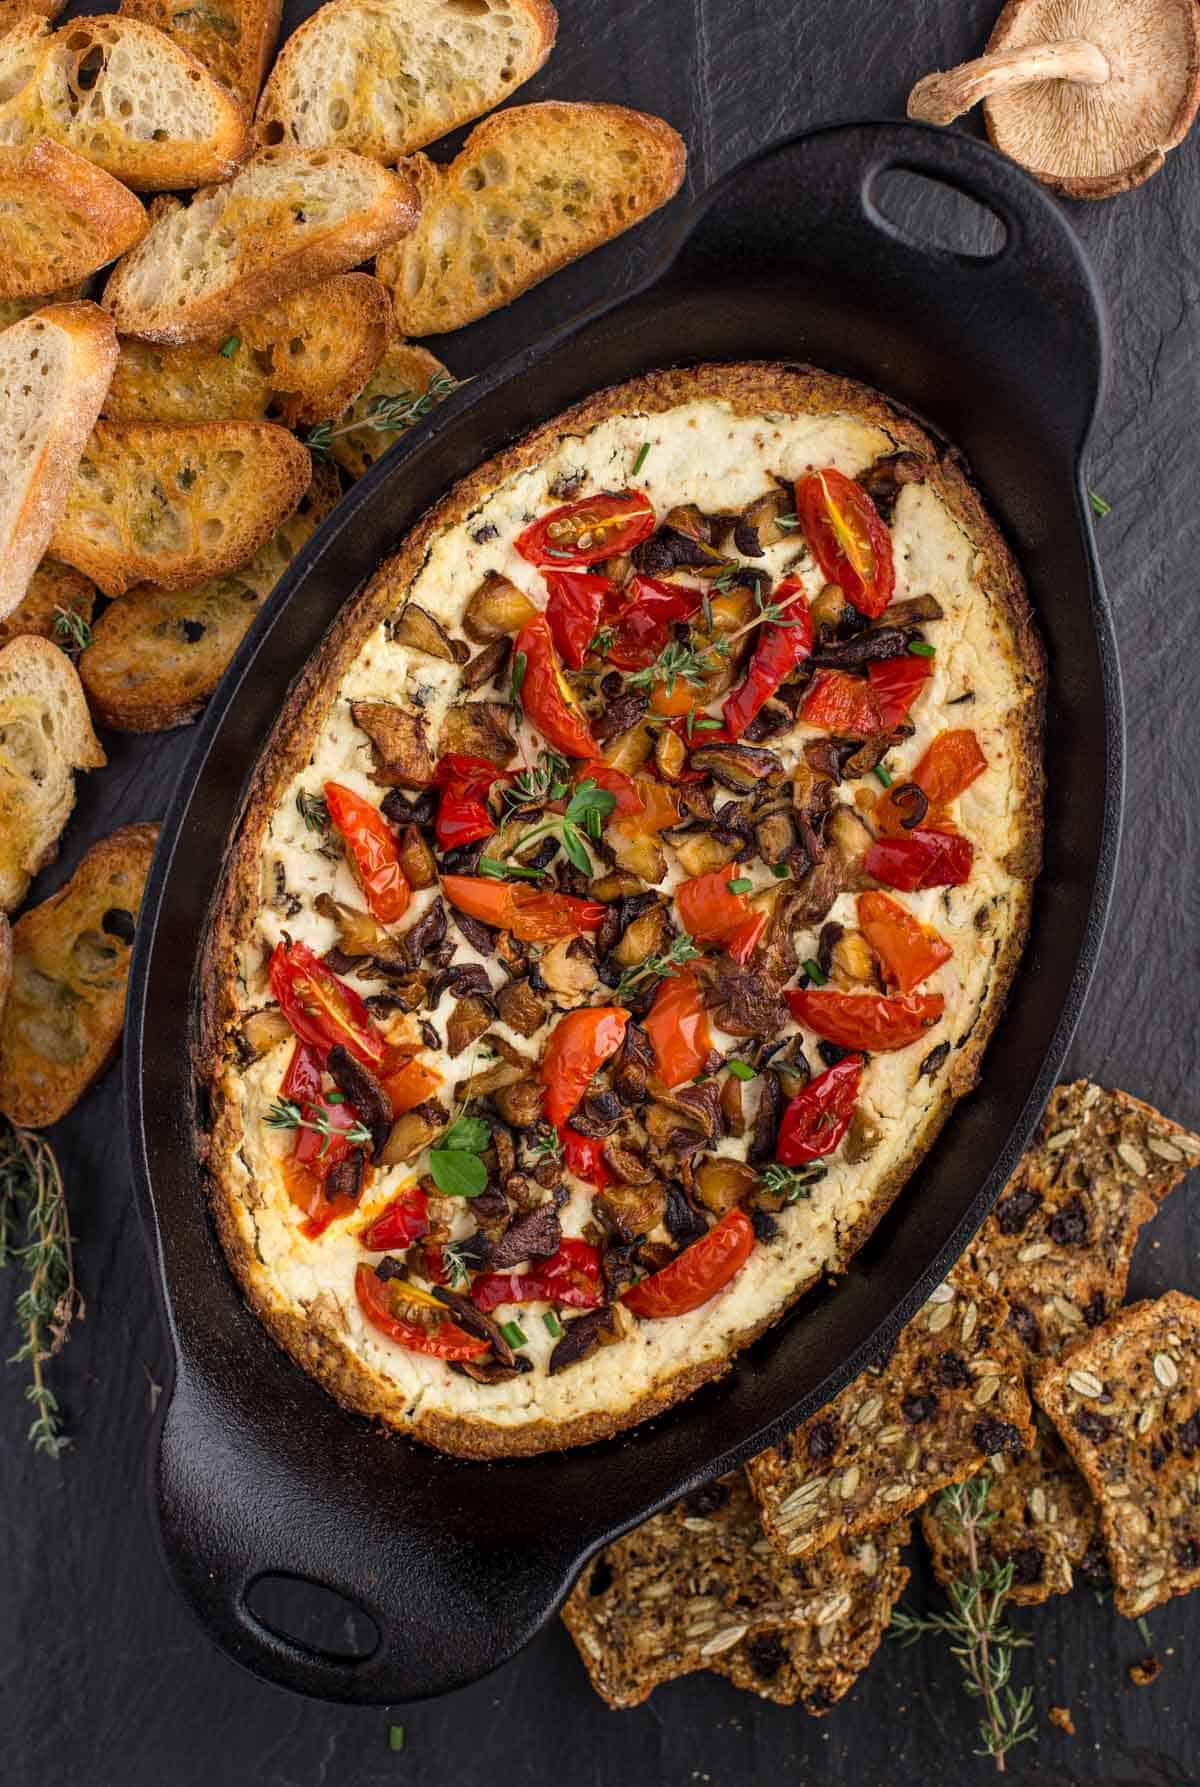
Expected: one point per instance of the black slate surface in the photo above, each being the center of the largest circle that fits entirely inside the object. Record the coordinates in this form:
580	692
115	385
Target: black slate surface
104	1682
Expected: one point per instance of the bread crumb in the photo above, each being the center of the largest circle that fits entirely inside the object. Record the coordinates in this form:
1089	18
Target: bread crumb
1061	1716
1142	1673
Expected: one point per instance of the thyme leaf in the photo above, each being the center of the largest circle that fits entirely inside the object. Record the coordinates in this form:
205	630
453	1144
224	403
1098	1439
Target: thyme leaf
682	950
71	631
284	1114
387	413
35	1234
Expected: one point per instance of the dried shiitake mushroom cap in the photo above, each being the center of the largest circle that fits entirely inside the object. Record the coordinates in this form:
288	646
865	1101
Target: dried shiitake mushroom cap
1088	95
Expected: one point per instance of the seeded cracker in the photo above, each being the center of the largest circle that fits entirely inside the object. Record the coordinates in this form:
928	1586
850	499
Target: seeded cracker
1059	1242
818	1662
951	1394
686	1587
1045	1522
1127	1402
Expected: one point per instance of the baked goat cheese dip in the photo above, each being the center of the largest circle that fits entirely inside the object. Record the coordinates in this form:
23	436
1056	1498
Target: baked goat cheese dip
628	890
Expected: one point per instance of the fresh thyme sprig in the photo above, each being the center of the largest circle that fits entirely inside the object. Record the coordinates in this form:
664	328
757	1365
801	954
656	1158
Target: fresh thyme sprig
587	809
793	1183
454	1265
35	1232
692	660
547	1146
313	810
385	414
547	779
71	631
981	1639
283	1114
682	950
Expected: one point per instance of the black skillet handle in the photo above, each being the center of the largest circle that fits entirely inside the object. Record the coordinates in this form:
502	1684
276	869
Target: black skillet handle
1030	315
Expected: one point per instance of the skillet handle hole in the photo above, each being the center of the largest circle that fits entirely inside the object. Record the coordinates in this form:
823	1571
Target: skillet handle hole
316	1618
933	215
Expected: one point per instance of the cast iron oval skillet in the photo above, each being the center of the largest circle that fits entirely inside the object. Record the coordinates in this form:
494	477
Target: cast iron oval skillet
255	1469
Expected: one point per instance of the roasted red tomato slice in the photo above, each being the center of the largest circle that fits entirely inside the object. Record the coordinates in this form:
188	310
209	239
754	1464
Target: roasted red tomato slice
571	1277
409	1085
895	684
404	1221
908	950
463	815
321	1009
580	1042
841	703
583	1155
780	650
712	914
622	787
866	1020
951	763
445	1340
921	859
848	538
677	1026
374	852
533	917
696	1274
582	533
815	1121
302	1081
546	695
578	601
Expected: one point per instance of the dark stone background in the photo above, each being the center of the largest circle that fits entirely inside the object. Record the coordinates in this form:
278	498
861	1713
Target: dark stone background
104	1682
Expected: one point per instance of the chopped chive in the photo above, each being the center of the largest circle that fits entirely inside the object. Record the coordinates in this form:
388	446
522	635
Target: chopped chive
335	1098
229	348
920	649
813	970
741	1070
1099	506
640	461
519	664
554	1327
514	1333
883	776
741	885
395	1737
780	871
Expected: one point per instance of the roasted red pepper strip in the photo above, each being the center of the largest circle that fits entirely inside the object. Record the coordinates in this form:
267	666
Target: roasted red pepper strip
580	1042
463	814
696	1274
909	951
780	650
374	852
531	916
404	1221
866	1020
321	1009
848	538
642	626
546	694
571	1277
815	1121
578	602
409	1085
895	684
446	1340
582	533
922	859
677	1026
841	703
583	1155
951	763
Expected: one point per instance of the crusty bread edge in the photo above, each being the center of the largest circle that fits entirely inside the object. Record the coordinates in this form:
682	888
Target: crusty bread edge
750	388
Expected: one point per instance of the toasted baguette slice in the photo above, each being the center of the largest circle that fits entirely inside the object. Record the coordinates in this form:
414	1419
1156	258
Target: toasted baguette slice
321	345
45	735
533	188
286	219
58	605
407	373
197	381
157	655
15	12
123	95
178	504
54	371
234	39
66	1005
12	310
60	219
5	962
383	77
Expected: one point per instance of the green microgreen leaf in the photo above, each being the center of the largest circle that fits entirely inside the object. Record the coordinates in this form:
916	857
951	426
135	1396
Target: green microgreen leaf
456	1173
469	1135
575	851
